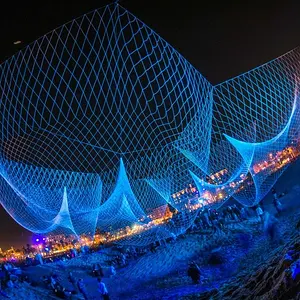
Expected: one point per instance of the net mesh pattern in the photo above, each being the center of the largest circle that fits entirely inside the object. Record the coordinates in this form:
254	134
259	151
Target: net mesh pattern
103	122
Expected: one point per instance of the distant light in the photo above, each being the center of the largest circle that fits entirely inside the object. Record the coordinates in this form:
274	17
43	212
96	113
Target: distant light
17	42
37	240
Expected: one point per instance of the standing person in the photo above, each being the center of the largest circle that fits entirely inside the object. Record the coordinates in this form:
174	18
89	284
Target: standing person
260	213
274	193
152	248
276	201
82	288
206	216
194	272
39	258
204	221
277	205
102	289
96	270
221	223
53	280
123	259
244	215
271	227
101	274
113	270
230	213
215	226
225	214
72	280
237	212
211	217
73	252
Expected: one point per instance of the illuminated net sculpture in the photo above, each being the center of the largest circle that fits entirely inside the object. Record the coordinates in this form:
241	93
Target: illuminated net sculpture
99	91
105	125
258	113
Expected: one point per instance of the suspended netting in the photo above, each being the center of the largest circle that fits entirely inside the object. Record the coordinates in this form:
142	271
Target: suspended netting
105	125
258	114
90	114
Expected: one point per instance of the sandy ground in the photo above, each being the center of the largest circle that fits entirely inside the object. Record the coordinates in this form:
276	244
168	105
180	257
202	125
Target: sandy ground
163	275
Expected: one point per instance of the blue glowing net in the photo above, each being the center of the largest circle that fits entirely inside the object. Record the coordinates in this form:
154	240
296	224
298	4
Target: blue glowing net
258	114
100	88
105	125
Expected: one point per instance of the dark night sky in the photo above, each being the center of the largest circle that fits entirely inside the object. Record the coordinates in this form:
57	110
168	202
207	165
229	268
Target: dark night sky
221	39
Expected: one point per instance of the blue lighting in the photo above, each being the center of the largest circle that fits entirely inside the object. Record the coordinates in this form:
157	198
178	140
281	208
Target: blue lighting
104	125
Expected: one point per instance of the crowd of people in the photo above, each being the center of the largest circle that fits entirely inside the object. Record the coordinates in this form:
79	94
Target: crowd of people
216	221
78	286
11	278
211	221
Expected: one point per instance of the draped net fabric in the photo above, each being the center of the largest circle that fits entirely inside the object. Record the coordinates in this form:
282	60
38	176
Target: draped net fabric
102	121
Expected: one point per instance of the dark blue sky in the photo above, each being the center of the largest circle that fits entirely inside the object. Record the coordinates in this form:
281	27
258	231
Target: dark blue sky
220	38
